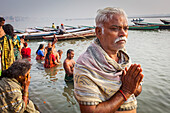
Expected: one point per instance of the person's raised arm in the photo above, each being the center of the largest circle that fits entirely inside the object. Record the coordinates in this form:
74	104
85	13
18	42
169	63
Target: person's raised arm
55	40
131	79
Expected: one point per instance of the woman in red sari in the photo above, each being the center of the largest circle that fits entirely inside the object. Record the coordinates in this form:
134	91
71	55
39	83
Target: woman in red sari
26	51
50	60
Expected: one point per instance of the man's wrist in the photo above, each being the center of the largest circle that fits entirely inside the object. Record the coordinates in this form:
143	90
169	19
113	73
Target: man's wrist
126	93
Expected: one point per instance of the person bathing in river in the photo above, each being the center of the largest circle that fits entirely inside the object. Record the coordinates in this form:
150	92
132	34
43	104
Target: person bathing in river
59	55
69	65
52	45
40	54
50	60
26	51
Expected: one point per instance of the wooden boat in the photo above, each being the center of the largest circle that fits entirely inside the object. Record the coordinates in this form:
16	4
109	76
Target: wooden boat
161	26
74	35
77	30
137	20
143	27
40	33
165	21
35	35
147	23
54	29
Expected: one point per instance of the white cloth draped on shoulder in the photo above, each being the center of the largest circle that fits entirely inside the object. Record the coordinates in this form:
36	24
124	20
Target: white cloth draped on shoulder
97	77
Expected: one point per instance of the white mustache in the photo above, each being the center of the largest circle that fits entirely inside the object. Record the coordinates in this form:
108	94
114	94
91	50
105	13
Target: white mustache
121	38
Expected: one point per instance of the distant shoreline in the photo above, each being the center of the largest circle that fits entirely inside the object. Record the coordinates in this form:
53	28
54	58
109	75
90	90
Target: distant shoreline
168	16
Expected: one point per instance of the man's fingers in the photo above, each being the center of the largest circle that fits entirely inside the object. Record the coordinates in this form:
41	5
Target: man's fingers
139	78
130	68
136	72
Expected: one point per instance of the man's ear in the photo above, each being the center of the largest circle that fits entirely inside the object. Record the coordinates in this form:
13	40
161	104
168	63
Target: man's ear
98	31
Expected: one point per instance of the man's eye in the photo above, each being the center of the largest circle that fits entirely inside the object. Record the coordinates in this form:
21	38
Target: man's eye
115	29
126	28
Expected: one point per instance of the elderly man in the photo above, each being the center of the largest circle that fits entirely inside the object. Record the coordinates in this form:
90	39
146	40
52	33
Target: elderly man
105	81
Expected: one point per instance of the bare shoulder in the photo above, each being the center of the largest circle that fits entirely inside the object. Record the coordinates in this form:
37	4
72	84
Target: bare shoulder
66	62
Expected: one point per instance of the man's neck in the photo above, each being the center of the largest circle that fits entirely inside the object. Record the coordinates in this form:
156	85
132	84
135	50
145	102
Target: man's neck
112	54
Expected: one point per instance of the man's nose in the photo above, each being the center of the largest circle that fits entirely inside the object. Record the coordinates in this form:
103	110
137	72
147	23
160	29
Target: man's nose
122	32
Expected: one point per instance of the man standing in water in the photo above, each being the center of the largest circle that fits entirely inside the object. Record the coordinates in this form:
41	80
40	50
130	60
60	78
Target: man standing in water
69	65
105	81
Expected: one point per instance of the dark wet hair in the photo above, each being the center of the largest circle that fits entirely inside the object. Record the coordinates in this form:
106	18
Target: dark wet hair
19	67
2	19
48	53
69	51
40	47
9	30
60	51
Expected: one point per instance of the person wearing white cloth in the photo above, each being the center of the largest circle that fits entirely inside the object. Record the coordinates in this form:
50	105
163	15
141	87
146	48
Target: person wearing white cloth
105	81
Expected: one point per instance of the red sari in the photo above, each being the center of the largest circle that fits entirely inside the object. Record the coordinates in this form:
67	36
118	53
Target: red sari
49	62
26	52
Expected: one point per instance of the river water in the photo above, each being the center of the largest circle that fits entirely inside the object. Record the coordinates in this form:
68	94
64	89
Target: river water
52	94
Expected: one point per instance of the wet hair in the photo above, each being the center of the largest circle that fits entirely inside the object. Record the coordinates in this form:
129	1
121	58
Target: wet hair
2	19
69	51
48	52
9	30
104	15
40	47
19	67
60	51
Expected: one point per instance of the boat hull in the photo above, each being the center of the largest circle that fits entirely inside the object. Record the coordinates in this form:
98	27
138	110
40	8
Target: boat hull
151	27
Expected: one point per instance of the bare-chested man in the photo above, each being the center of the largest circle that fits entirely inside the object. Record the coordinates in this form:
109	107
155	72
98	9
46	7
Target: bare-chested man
69	65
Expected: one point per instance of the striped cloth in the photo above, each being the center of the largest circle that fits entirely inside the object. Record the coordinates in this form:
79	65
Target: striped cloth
11	98
7	52
97	77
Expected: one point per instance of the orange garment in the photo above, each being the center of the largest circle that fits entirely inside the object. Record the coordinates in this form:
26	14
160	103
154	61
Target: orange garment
49	61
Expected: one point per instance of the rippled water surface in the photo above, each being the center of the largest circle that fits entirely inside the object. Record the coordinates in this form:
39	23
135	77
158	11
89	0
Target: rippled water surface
151	49
52	94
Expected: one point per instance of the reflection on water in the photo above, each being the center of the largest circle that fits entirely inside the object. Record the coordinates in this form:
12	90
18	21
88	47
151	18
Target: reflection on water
150	49
69	93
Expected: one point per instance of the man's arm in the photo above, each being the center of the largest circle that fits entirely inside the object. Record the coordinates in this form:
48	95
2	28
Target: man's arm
55	40
130	82
57	57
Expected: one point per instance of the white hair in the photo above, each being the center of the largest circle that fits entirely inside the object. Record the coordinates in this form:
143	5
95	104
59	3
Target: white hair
107	13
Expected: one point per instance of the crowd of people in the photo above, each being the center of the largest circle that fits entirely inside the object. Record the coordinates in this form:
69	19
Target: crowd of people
52	58
12	46
15	68
105	80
